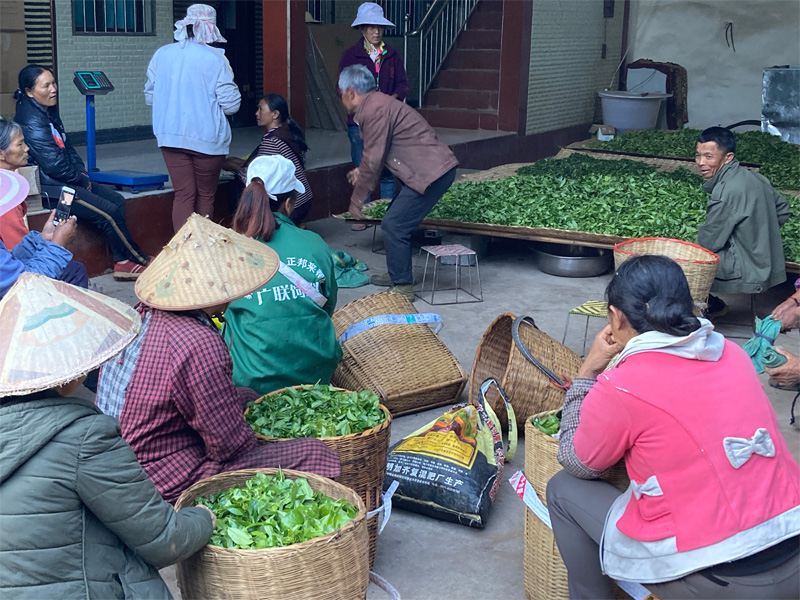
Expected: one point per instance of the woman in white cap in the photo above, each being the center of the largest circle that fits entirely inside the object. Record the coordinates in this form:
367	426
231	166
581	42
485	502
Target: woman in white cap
386	63
79	517
282	334
172	389
191	89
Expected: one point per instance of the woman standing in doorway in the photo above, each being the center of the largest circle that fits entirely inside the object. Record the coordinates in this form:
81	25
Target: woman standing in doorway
191	89
386	63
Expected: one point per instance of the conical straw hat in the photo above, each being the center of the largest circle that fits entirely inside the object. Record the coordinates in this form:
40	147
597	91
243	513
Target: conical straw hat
204	265
52	332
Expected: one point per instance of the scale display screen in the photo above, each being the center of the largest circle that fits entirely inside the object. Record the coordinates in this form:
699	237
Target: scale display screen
92	83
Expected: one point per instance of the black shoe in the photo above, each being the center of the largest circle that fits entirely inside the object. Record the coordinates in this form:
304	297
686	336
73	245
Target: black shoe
716	308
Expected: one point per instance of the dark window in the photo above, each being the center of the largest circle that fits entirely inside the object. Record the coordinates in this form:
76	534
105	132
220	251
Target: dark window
116	17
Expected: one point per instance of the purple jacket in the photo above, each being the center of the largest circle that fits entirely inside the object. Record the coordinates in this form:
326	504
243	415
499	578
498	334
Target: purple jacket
393	78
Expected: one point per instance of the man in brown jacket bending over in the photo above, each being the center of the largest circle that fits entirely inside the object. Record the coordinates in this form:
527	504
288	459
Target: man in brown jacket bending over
395	135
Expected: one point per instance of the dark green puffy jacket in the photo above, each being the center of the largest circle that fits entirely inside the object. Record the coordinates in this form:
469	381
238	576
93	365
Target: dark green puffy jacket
79	517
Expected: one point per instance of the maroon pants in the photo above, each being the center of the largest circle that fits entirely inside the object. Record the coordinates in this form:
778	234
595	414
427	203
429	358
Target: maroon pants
195	177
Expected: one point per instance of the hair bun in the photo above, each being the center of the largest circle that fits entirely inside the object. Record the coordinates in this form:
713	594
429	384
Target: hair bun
17	94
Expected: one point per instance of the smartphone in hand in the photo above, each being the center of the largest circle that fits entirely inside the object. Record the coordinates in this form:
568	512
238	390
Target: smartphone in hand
64	205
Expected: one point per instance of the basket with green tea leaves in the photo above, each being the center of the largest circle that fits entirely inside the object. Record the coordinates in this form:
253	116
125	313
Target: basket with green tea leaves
352	423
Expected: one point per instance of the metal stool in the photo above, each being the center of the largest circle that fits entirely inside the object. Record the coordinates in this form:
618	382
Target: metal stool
592	308
457	251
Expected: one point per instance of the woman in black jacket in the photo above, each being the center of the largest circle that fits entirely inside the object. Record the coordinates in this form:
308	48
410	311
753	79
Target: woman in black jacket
60	165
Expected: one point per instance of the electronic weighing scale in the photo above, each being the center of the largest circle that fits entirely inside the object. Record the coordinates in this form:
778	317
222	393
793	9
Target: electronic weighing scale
96	83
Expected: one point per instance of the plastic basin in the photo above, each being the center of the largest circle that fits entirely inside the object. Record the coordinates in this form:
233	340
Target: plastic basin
631	110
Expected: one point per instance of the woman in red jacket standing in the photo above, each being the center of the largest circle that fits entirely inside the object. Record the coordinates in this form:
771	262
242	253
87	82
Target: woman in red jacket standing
386	63
713	506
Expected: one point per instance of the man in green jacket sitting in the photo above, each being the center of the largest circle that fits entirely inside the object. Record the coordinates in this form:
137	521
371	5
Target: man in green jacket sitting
743	220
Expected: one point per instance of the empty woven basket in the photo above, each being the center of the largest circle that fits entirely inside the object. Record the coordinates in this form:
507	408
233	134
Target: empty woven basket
698	264
407	364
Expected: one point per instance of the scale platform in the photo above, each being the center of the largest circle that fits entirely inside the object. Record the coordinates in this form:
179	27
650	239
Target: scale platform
135	181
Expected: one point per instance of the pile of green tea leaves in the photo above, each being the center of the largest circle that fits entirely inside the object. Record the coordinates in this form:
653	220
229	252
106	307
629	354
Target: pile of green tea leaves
550	424
315	411
272	512
779	160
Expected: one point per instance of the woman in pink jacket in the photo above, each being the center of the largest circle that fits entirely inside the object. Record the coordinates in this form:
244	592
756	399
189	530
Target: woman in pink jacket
713	507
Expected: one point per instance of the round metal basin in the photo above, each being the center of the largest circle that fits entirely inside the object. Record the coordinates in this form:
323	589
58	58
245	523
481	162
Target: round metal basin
572	261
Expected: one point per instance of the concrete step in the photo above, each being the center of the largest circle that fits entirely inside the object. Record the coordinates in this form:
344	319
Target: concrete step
468	79
489	20
475	99
486	6
473	59
460	119
479	39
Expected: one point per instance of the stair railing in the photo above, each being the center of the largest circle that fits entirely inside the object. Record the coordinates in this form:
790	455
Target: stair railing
437	34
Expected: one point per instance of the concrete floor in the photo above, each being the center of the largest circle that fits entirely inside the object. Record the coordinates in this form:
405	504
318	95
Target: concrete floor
428	559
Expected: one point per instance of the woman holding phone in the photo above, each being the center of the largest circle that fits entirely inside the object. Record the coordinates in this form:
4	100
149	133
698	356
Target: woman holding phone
60	165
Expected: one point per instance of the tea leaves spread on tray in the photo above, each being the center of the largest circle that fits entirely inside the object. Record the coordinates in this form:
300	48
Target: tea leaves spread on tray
580	193
272	511
779	160
315	411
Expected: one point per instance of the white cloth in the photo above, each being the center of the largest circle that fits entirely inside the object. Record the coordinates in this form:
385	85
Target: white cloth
739	450
191	90
702	344
203	20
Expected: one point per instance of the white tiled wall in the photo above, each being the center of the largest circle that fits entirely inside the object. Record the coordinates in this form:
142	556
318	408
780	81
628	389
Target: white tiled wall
566	69
124	58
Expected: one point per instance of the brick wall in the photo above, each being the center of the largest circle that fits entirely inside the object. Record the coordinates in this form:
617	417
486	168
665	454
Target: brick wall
566	69
124	58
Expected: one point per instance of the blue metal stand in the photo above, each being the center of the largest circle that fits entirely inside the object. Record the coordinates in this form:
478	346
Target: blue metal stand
135	181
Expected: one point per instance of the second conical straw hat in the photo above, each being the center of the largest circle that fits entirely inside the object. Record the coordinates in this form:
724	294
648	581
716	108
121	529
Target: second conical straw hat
204	265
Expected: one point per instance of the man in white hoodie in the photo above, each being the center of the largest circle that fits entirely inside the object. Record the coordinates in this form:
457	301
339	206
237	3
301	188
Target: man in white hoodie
191	89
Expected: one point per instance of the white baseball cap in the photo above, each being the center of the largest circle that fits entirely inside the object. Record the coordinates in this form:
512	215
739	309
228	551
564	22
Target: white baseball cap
278	174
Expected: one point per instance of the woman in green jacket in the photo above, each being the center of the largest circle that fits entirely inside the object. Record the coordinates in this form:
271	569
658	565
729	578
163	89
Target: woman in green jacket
79	518
282	335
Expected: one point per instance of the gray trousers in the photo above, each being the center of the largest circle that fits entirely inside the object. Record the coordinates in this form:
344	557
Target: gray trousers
402	217
578	509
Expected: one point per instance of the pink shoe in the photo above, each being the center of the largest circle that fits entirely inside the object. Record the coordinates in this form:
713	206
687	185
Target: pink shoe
127	270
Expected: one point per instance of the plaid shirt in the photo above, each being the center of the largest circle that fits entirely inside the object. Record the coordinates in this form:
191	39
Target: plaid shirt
570	419
116	375
184	417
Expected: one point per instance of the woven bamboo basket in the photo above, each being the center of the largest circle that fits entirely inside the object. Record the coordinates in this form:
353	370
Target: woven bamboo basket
329	567
544	573
363	459
698	264
407	365
529	390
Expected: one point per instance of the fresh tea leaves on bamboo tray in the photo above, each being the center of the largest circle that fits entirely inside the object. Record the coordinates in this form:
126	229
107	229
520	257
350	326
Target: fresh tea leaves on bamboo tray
315	411
581	193
779	160
272	512
549	425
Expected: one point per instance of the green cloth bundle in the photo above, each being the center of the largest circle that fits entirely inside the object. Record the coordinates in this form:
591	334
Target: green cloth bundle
760	347
348	270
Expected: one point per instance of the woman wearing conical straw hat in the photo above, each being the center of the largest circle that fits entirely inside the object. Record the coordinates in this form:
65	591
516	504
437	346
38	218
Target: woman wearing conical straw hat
79	516
172	390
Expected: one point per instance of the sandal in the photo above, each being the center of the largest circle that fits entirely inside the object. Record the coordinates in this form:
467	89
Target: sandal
359	226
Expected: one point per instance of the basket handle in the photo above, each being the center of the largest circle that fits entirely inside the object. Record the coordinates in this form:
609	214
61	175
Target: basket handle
554	379
512	420
384	585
